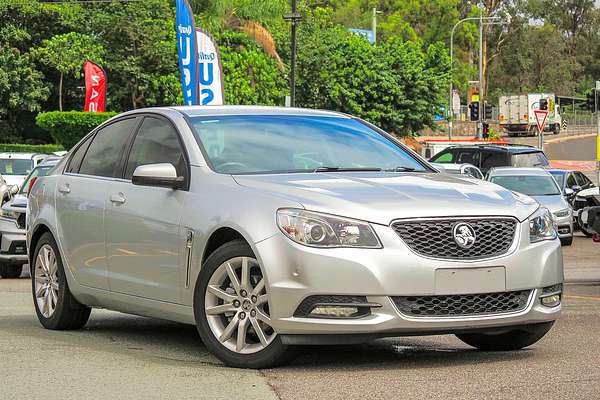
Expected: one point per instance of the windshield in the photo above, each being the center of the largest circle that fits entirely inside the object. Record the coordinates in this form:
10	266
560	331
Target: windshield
11	166
560	178
36	173
247	144
529	185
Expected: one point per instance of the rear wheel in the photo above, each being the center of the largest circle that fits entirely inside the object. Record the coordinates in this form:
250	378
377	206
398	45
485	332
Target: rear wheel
566	241
10	271
55	306
557	129
515	339
231	306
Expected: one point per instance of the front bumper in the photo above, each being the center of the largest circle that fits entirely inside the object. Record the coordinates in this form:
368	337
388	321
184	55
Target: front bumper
13	249
295	272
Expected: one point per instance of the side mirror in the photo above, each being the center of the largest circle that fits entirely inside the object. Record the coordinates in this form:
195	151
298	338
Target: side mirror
569	192
161	175
576	188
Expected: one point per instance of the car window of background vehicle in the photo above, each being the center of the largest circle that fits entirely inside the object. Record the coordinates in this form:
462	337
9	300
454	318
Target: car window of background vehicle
529	185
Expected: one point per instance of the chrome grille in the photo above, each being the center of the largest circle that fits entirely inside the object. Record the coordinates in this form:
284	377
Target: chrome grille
435	238
463	304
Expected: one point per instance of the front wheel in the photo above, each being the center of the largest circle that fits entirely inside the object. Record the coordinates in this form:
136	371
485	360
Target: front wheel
566	241
584	228
231	307
9	271
515	339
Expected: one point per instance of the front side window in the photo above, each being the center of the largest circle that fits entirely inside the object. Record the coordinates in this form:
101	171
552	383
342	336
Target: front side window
571	182
284	143
12	166
531	185
105	151
155	143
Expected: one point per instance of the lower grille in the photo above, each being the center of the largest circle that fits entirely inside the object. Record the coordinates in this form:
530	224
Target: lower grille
463	304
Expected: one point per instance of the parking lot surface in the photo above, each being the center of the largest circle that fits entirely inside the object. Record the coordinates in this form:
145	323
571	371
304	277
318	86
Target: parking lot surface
128	357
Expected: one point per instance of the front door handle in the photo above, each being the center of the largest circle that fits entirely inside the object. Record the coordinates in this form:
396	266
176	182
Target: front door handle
64	189
117	198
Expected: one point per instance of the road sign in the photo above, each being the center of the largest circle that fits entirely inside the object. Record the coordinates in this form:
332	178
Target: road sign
541	116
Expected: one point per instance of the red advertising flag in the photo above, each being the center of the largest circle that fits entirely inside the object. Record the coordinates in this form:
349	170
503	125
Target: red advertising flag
95	87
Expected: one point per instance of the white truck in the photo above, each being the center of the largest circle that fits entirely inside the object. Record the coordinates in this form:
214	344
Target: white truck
516	114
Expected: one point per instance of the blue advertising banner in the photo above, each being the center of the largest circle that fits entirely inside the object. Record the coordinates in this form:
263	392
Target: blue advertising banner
188	52
366	33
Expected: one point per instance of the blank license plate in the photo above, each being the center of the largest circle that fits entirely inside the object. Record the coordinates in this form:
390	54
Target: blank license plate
470	280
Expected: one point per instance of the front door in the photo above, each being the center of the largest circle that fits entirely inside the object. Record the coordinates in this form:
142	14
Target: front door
144	235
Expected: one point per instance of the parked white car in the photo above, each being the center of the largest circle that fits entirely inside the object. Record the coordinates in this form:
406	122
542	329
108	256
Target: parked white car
14	167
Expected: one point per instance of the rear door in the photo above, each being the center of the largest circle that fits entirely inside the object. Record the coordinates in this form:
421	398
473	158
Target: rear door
145	241
80	200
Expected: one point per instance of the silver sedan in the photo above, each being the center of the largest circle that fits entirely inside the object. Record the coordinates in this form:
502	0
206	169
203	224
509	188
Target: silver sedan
272	227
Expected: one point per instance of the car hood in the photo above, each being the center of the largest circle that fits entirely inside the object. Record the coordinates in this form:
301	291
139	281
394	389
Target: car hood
552	203
383	197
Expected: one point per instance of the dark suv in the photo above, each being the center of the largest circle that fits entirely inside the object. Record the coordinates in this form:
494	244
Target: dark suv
489	156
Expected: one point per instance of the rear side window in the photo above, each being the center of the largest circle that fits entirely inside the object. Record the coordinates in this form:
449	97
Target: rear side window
156	142
582	179
493	159
75	161
104	153
468	157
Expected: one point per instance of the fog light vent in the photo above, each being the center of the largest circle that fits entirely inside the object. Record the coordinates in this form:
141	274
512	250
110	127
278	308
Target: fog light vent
332	306
551	295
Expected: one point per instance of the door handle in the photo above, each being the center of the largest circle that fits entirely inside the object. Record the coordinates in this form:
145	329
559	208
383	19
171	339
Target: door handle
117	198
64	189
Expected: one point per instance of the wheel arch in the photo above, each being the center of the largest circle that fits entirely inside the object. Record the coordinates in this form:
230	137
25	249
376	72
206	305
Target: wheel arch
36	234
218	238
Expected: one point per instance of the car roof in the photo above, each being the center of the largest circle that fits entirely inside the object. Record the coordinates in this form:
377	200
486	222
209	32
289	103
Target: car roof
560	171
199	111
518	171
20	156
514	149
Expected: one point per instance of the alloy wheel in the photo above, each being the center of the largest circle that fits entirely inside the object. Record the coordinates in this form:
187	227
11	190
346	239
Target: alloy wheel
237	306
46	281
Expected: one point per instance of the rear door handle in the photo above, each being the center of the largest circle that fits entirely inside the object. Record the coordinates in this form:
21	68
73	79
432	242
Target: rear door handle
117	198
64	189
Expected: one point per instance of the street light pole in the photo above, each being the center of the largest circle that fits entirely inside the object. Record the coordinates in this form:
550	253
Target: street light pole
451	95
294	18
481	110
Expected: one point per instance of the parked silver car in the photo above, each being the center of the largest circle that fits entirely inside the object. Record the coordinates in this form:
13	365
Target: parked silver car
274	227
539	184
13	252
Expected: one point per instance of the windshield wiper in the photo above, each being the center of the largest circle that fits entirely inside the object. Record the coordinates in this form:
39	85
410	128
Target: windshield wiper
349	169
400	169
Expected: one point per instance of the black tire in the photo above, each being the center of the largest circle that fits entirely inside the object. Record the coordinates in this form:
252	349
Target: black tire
10	271
557	129
69	313
276	353
587	231
566	241
516	339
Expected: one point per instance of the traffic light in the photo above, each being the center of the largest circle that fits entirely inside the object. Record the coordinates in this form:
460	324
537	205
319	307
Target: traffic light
591	100
487	112
543	104
474	107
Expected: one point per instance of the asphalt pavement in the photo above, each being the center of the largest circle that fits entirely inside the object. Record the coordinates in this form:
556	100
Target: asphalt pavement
127	357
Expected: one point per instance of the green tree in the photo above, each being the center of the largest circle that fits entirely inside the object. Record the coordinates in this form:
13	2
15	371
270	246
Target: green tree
67	53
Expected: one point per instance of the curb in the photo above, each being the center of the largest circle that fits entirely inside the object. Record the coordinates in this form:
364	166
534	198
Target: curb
565	139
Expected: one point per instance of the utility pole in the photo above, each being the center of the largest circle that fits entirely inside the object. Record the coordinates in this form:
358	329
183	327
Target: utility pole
294	18
480	122
374	25
598	129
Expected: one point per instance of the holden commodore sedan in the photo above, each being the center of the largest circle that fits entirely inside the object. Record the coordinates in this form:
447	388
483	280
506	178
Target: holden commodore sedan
270	227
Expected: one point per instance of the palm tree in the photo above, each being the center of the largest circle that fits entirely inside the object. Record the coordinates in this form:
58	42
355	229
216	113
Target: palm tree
244	15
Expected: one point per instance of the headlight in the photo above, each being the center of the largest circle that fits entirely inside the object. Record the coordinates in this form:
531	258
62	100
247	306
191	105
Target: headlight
9	214
542	226
322	230
562	213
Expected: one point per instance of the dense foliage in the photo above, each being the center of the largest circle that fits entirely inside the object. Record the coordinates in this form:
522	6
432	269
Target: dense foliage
30	148
67	128
400	84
